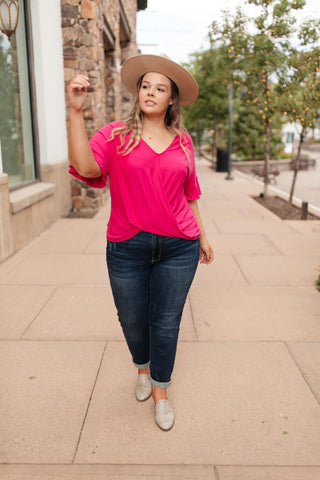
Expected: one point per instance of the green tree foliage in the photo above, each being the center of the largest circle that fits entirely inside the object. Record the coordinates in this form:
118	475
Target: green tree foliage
257	48
299	86
248	132
211	109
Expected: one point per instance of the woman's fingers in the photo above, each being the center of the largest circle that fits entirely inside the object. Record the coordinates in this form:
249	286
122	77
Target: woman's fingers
79	82
77	91
206	255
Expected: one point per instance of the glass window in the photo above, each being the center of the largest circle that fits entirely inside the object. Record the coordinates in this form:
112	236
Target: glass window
16	136
290	137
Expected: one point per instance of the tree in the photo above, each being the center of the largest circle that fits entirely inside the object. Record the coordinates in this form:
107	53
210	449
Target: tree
257	48
211	109
300	86
248	131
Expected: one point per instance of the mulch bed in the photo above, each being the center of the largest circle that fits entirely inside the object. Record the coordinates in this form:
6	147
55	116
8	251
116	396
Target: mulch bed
283	208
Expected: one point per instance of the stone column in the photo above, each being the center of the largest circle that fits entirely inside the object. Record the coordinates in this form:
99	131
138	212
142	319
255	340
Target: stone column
6	237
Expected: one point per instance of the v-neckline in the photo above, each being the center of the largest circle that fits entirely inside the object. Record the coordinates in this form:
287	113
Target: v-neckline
160	153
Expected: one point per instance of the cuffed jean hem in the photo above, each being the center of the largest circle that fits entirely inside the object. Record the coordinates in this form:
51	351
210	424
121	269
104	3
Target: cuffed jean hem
160	384
143	366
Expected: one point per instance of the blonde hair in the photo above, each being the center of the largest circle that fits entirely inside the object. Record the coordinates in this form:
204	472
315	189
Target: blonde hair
133	124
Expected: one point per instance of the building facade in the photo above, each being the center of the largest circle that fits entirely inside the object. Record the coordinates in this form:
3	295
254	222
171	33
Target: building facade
54	41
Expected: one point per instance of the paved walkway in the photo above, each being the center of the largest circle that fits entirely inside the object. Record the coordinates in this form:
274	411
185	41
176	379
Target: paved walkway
249	355
307	186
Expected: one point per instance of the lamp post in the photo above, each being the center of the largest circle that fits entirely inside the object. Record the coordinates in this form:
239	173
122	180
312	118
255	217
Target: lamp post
9	14
229	176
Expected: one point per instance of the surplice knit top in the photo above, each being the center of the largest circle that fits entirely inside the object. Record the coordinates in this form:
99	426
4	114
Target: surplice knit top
149	191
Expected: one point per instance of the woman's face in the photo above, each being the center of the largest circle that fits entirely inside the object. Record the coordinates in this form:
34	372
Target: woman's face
155	94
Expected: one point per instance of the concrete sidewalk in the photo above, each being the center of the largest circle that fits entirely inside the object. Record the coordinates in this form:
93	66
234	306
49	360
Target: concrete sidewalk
249	356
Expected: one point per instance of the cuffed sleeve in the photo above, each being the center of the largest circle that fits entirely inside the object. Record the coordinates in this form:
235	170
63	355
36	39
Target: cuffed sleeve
192	189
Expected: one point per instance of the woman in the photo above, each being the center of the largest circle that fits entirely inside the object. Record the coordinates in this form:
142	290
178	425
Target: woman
155	235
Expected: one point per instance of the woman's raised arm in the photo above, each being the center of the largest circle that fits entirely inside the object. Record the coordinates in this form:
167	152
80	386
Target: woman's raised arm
80	153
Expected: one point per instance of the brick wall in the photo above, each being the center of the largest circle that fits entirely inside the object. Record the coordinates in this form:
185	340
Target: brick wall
98	36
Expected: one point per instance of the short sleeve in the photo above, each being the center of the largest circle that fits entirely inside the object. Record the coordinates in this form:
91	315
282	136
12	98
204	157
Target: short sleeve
192	189
102	151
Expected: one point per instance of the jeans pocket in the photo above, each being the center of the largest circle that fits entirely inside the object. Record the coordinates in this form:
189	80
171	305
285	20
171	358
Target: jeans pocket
111	246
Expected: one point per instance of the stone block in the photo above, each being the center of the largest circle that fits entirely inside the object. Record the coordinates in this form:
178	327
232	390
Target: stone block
70	2
70	52
77	203
88	203
87	40
67	22
71	63
69	11
75	189
86	64
84	25
87	9
92	53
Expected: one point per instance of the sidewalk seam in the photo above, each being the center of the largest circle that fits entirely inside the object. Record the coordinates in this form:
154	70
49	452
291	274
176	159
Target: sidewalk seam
273	244
88	406
37	315
192	318
216	472
241	270
302	374
84	251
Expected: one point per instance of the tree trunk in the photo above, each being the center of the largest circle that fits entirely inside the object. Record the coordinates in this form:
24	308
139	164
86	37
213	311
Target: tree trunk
266	155
296	166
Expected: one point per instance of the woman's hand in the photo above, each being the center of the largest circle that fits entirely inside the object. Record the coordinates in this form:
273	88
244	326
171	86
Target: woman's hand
206	252
77	92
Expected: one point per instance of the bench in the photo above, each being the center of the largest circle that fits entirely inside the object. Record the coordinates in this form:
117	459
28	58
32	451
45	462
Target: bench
305	162
259	173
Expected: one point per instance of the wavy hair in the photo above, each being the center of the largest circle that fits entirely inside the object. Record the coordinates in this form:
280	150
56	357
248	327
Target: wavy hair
133	124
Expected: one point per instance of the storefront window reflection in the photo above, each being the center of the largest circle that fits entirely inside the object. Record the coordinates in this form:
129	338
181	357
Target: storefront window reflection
16	139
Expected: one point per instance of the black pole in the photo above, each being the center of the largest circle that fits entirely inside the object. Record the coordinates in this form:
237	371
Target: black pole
304	211
229	176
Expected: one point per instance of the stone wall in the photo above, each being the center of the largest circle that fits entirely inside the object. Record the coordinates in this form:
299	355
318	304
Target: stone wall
86	200
98	36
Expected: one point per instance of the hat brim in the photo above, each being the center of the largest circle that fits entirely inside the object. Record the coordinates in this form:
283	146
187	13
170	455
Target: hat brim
135	67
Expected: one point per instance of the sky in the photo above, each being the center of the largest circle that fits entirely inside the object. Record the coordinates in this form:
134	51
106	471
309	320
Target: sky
180	27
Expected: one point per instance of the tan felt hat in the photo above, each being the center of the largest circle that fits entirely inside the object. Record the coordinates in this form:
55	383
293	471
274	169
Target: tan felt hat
139	65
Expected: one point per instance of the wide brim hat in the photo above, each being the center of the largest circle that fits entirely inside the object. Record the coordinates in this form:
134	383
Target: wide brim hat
135	67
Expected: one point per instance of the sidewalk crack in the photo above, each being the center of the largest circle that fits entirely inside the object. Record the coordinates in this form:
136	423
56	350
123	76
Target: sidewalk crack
304	376
88	406
241	270
192	318
37	315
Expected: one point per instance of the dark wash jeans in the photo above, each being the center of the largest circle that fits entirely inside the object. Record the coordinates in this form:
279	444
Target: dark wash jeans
150	277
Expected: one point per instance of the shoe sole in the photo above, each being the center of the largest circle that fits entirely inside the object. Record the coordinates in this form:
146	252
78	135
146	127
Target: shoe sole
144	399
165	429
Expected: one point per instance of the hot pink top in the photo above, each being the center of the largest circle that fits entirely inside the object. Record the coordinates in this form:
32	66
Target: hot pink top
149	191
